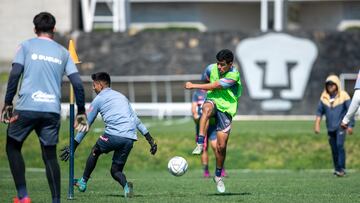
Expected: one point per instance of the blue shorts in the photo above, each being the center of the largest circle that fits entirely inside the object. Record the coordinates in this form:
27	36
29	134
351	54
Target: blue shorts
223	120
45	124
120	145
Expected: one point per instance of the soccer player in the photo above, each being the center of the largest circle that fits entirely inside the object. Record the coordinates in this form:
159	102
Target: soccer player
334	103
354	106
198	99
41	63
121	123
224	90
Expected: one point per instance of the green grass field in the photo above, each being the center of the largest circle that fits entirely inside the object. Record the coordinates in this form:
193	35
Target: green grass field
267	161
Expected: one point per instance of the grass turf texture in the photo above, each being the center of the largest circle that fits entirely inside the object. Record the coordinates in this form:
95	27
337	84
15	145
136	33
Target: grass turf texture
255	145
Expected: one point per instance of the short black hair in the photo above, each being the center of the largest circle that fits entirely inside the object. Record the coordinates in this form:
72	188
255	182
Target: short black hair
226	55
44	23
102	77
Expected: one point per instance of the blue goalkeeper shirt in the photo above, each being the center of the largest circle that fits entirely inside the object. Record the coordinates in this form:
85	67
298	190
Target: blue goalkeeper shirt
117	114
45	62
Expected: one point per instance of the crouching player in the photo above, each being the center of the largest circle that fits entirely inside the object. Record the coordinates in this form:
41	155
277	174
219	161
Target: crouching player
121	123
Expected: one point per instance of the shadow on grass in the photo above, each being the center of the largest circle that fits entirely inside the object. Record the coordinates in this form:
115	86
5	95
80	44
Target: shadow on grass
117	195
184	195
229	194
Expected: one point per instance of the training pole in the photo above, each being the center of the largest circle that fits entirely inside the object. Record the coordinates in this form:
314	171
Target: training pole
75	58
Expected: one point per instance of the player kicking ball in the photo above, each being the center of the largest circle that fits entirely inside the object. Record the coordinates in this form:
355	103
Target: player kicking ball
121	123
223	92
198	99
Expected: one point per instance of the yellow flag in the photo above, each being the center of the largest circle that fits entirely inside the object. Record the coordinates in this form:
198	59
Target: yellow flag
73	53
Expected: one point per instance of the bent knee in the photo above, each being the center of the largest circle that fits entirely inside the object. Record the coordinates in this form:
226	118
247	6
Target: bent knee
96	151
207	109
221	148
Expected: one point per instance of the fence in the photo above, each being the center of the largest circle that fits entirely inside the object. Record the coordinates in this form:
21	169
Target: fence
164	96
156	95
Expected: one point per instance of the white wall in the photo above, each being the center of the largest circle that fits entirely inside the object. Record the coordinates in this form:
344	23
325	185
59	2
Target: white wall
214	16
321	15
16	21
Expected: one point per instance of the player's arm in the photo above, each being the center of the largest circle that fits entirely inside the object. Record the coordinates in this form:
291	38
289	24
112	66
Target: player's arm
223	83
317	124
74	77
354	106
92	114
351	123
144	131
206	86
76	82
319	113
14	77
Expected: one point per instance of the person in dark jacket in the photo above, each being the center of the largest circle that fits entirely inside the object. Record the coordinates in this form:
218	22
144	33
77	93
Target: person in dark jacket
334	103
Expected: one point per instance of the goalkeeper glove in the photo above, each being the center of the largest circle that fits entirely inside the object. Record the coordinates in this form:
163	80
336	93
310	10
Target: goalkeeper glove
151	141
81	123
6	113
65	152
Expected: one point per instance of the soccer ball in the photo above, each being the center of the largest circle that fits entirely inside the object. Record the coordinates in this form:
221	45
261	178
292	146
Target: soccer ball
177	166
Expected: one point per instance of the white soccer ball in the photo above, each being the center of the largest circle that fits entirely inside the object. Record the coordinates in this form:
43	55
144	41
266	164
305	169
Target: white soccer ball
177	166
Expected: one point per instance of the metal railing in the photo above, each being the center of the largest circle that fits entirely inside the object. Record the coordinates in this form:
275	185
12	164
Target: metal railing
151	95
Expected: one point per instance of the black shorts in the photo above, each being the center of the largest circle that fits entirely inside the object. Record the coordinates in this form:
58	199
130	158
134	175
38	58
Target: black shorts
120	145
222	119
45	124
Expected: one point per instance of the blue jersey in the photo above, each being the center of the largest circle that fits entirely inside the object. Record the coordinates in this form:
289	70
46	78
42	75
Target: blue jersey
45	62
117	114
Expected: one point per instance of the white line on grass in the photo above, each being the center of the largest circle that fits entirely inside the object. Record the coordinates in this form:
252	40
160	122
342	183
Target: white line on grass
27	169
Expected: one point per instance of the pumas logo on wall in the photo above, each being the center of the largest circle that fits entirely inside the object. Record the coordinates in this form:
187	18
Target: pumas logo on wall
276	68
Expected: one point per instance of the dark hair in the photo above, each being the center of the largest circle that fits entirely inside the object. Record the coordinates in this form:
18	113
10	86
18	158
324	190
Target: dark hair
102	77
44	23
226	55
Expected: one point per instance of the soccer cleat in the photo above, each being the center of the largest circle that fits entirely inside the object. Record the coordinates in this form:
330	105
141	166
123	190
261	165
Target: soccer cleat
206	174
220	186
128	190
223	173
80	184
198	149
23	200
339	173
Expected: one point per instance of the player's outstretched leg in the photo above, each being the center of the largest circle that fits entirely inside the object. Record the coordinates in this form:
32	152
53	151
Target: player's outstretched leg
207	110
199	145
128	190
119	176
81	184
